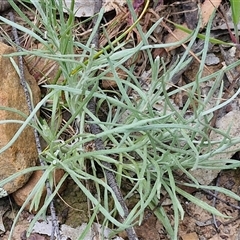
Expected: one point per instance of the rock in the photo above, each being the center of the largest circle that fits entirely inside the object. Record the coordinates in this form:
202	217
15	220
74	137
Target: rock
22	153
230	125
21	194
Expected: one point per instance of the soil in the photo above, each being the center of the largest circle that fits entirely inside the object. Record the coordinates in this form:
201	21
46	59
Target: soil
72	210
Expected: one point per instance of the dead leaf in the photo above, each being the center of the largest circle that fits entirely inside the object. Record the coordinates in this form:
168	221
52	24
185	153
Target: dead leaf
109	82
175	36
207	10
42	69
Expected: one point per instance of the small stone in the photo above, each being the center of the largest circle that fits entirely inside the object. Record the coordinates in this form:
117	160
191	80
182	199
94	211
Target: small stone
212	59
22	153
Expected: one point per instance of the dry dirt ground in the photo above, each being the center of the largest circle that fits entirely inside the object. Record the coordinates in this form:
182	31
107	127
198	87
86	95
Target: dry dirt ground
72	207
72	210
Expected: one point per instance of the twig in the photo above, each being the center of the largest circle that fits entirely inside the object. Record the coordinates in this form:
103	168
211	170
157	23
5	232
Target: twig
37	139
95	129
214	202
220	199
111	179
214	195
97	8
